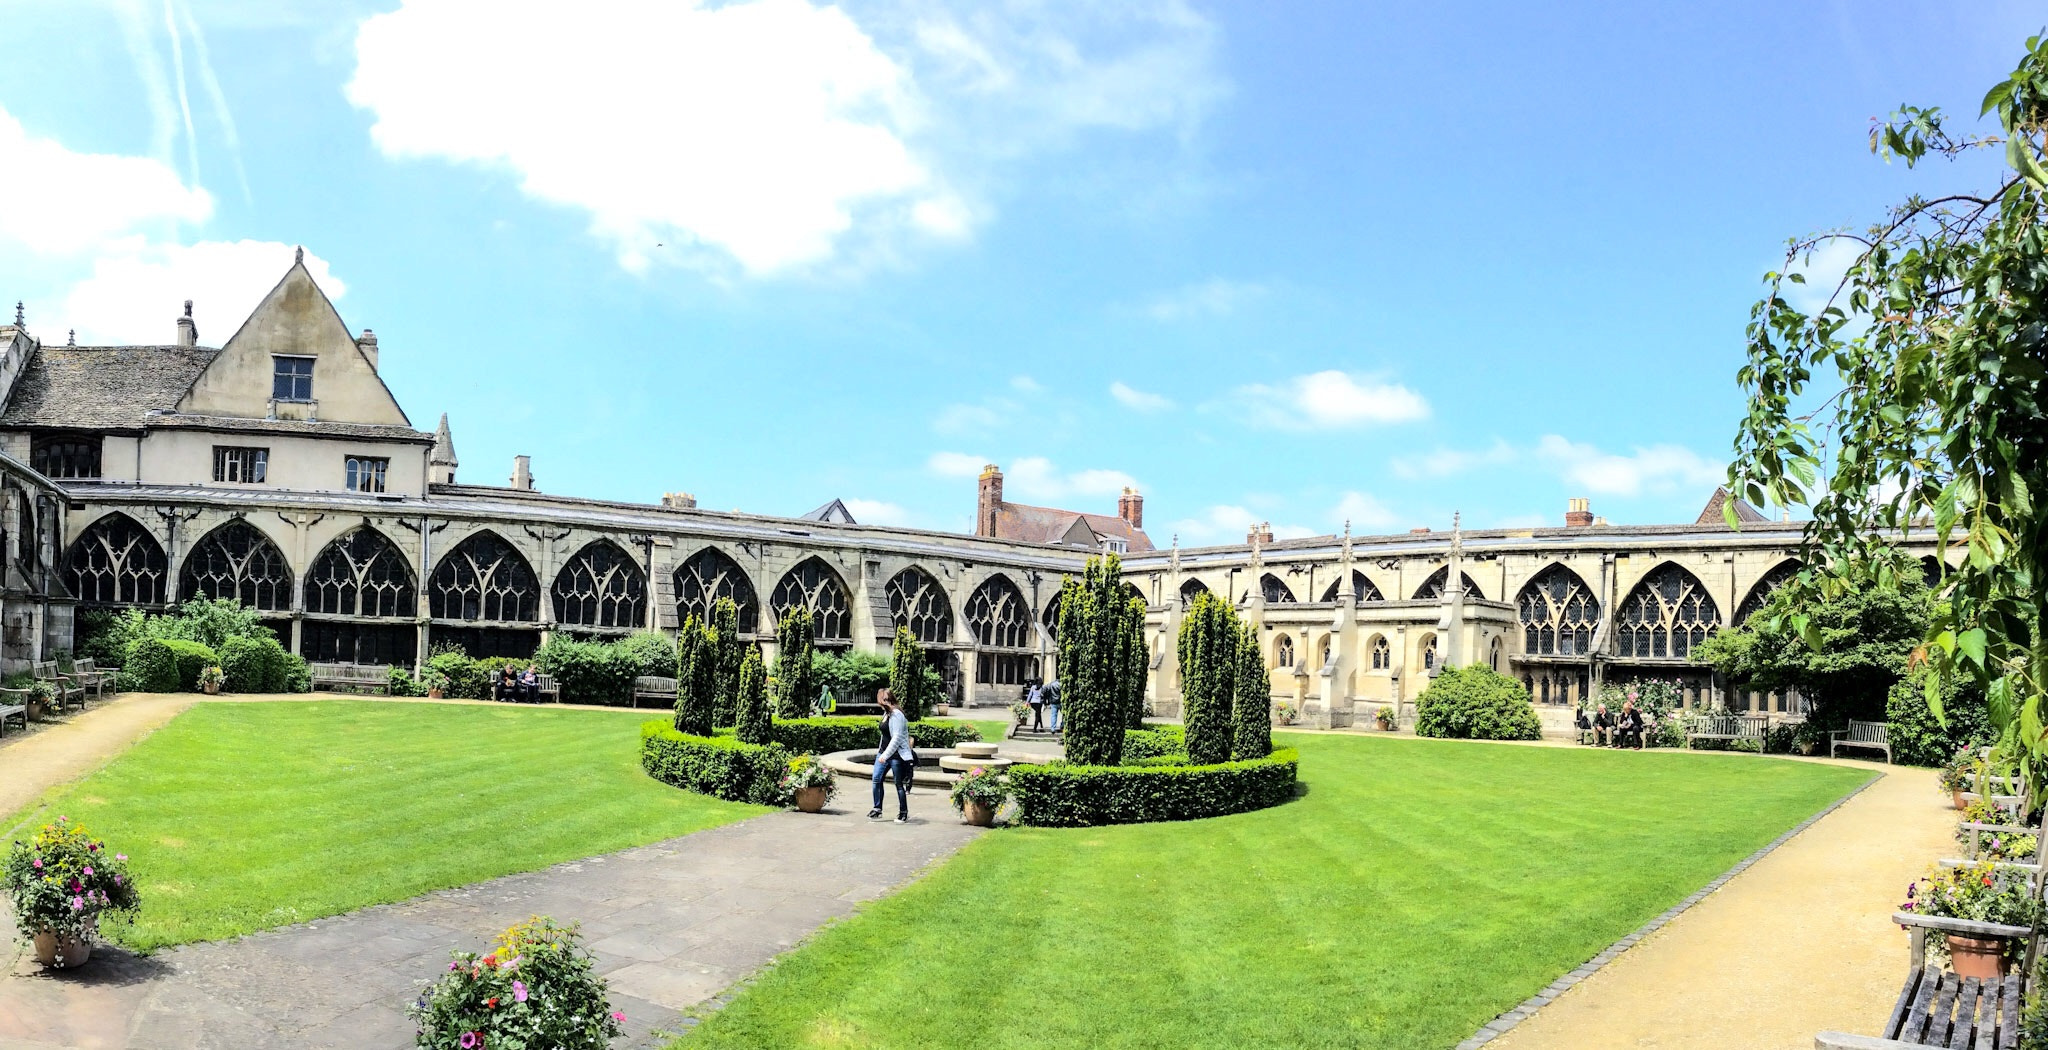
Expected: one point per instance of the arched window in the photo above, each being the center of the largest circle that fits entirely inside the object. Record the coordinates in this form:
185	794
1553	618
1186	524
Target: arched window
601	586
1132	590
1666	615
1558	614
1275	590
65	455
236	561
999	618
1493	655
1930	570
484	578
1189	588
115	562
1382	653
1361	588
1760	594
28	537
708	576
916	602
1283	652
1433	588
812	583
1323	654
361	573
1428	652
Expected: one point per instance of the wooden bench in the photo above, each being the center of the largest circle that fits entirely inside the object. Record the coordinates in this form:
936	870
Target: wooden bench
13	706
1727	727
69	691
1874	736
347	678
656	688
546	689
89	675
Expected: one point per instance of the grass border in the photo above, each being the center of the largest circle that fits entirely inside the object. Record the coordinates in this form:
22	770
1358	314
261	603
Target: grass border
1528	1008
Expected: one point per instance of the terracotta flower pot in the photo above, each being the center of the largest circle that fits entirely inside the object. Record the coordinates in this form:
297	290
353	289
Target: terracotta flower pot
433	694
75	950
210	688
811	799
1980	957
37	710
1959	798
977	814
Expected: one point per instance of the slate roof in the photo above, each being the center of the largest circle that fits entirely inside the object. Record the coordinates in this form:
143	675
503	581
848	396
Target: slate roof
1743	511
103	386
1028	524
368	431
834	511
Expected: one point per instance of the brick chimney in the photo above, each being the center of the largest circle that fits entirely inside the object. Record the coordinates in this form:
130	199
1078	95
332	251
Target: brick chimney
1262	533
1579	514
522	473
367	343
989	501
1131	507
678	501
188	329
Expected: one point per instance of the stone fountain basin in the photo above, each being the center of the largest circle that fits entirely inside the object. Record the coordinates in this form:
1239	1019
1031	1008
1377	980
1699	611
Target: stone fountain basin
936	766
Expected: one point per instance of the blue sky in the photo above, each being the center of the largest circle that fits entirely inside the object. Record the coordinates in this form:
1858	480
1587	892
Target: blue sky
1292	263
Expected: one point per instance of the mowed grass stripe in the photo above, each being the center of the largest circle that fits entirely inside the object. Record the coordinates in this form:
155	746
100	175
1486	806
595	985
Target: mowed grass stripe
243	816
1416	890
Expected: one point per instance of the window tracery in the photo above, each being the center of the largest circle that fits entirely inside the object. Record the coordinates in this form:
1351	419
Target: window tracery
916	602
484	578
811	583
708	576
1432	589
1362	588
361	573
239	562
1283	652
602	586
1382	653
1666	614
1760	594
1275	590
115	561
1558	614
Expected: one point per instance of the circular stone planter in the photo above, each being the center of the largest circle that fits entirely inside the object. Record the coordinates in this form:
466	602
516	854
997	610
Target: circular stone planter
860	765
972	749
76	951
962	763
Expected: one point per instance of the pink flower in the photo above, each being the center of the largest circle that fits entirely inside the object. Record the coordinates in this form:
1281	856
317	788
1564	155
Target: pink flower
120	856
619	1017
38	862
454	966
469	1040
88	869
518	991
77	903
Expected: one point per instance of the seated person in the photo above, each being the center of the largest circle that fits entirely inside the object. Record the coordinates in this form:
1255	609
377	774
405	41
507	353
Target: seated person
1631	733
529	683
1603	727
1583	724
506	689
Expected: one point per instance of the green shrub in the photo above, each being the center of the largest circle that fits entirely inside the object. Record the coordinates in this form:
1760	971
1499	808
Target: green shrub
399	682
750	713
1101	662
191	658
1154	742
298	674
254	665
1209	635
719	766
487	669
853	676
652	652
796	666
1476	703
696	675
1251	700
589	672
912	680
1918	739
152	666
1068	796
727	651
465	677
823	736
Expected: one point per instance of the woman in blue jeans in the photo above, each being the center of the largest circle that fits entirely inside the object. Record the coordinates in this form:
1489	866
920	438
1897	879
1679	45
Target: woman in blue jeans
894	754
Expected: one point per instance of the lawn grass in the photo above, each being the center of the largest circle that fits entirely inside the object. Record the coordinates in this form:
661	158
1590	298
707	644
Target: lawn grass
990	731
243	816
1417	889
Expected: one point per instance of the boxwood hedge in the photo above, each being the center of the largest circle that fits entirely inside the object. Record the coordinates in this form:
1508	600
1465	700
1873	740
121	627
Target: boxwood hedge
169	665
719	766
822	736
1066	796
1154	742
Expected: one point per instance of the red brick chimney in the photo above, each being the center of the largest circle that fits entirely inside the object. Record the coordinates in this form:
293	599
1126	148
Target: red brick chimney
1579	514
1131	507
1261	533
990	499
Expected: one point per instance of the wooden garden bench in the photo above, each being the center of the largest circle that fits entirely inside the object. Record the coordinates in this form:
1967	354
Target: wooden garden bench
91	677
545	688
656	688
69	691
1873	736
1727	727
351	677
13	711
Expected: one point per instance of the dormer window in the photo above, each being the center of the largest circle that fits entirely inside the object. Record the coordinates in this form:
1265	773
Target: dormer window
1115	545
291	378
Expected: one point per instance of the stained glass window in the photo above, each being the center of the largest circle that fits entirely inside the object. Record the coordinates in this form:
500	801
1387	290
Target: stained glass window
1665	615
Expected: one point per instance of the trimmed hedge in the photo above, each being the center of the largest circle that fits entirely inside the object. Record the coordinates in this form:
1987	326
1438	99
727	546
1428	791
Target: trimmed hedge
589	672
254	665
719	766
153	666
1476	703
822	736
1154	742
1057	795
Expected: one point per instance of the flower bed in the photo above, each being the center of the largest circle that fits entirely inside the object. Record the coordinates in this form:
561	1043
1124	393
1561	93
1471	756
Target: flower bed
1066	796
719	766
537	987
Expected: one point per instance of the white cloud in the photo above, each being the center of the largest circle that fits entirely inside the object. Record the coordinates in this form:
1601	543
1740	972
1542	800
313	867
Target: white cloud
1026	385
1444	462
1331	399
54	201
1364	511
1035	478
777	135
1138	399
966	419
1655	468
877	512
137	289
956	464
1212	298
1229	523
1823	269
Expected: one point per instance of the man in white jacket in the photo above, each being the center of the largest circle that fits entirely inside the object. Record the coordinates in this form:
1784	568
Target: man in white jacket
894	754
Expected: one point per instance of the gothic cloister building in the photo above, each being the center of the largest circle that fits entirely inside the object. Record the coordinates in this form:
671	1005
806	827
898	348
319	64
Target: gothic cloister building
279	470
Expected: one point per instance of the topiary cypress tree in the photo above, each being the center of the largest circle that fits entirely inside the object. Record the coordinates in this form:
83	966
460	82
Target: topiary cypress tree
729	650
1208	654
1251	703
908	679
751	720
696	679
1094	662
1137	663
796	680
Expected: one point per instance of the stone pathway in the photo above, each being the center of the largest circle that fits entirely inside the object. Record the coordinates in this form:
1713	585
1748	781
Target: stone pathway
672	925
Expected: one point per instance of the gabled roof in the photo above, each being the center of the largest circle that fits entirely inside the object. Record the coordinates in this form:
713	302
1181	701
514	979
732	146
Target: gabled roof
1713	514
1019	521
100	387
834	511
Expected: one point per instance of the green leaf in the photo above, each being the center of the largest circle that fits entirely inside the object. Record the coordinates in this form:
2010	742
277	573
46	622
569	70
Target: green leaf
1971	642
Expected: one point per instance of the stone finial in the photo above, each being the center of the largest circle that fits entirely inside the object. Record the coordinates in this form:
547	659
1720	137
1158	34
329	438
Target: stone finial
188	308
19	319
299	255
72	338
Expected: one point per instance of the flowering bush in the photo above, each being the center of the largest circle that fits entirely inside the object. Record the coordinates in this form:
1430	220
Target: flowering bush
1386	717
1959	773
536	989
62	879
989	787
1982	892
808	771
1995	845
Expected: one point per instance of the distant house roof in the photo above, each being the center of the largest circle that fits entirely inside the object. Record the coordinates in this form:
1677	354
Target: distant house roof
834	512
103	386
1028	524
1713	514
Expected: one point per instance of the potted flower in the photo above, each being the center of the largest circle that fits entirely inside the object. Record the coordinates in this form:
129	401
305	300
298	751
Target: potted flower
1958	774
1386	719
979	793
1996	845
1285	713
809	783
436	681
536	987
59	883
211	679
42	699
1020	711
1980	892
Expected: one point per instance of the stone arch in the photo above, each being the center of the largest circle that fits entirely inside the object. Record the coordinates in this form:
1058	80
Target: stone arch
1665	615
115	561
1931	569
361	573
484	578
601	586
1558	613
1000	620
1380	652
708	576
1275	590
1760	593
1325	648
916	601
814	585
1361	586
1191	587
1425	647
237	561
1432	589
1283	652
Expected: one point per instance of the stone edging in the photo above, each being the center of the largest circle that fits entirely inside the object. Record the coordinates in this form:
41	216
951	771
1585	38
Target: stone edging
1493	1029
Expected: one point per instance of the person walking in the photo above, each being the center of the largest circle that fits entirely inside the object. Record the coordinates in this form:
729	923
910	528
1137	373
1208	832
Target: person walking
893	755
1033	697
1050	697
